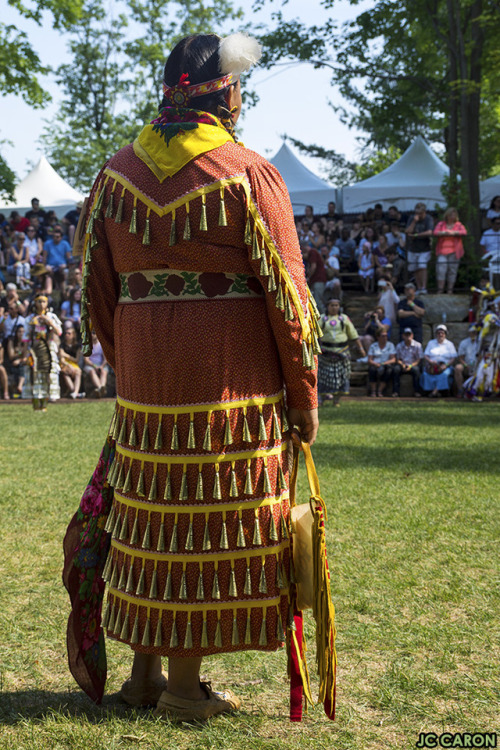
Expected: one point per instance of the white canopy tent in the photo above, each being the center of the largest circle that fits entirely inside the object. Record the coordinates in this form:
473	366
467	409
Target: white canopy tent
489	189
43	183
416	176
305	188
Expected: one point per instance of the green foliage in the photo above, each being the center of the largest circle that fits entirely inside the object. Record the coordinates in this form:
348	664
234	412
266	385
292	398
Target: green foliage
20	65
7	180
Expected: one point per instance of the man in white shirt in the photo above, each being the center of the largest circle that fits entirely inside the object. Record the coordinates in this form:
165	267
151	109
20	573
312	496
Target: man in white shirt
381	358
467	353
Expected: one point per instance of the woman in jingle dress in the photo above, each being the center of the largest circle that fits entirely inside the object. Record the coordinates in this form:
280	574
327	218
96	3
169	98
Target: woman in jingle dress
334	364
194	282
42	331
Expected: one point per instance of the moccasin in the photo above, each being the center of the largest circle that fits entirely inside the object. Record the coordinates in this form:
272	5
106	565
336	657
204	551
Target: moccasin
143	692
180	709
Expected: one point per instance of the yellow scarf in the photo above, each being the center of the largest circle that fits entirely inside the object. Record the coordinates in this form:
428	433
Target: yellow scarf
165	161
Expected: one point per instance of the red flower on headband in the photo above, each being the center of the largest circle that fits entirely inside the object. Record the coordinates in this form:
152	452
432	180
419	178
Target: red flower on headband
178	95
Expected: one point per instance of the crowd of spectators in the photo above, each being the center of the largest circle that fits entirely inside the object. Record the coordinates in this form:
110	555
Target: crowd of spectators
388	252
390	246
36	250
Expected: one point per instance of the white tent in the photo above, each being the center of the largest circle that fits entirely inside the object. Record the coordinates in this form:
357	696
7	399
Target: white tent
489	189
43	183
305	188
416	176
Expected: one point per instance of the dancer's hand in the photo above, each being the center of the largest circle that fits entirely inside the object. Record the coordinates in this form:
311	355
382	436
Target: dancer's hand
307	422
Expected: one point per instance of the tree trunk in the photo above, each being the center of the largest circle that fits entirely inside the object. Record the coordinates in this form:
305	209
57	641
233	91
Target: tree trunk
451	131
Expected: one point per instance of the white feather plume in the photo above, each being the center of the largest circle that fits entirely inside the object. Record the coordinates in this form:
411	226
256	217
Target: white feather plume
237	53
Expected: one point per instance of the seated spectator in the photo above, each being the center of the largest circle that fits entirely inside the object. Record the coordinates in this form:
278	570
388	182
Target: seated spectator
410	313
419	233
396	267
378	212
467	356
18	261
408	357
333	286
494	210
16	360
69	358
332	230
18	223
71	308
40	230
318	238
439	357
34	245
388	300
70	221
366	266
449	249
490	246
332	212
375	321
35	211
57	256
380	257
12	295
396	239
315	273
334	362
346	248
356	231
96	368
13	318
369	234
4	381
393	214
381	359
41	282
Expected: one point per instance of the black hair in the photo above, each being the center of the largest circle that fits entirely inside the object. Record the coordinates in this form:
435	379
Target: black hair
198	56
492	204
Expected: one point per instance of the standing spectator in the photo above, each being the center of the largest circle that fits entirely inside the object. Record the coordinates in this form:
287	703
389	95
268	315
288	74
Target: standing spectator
366	266
18	261
388	300
333	285
490	245
96	368
439	357
57	255
35	211
419	233
315	274
331	212
408	357
16	360
449	249
334	363
467	355
380	257
34	245
381	358
410	313
494	210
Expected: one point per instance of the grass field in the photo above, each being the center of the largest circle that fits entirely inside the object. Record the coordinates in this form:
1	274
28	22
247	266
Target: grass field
412	492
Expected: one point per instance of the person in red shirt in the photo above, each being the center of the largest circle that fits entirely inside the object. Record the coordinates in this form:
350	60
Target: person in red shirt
19	223
315	274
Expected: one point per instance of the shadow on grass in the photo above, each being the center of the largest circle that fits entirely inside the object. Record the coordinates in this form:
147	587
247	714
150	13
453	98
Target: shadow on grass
21	705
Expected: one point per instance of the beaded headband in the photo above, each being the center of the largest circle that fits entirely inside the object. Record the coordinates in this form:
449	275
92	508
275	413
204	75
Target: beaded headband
180	94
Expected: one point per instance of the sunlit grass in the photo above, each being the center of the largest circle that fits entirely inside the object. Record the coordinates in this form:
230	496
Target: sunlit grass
412	495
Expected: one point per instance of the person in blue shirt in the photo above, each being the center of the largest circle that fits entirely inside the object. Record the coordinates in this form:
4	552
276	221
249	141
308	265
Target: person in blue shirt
56	256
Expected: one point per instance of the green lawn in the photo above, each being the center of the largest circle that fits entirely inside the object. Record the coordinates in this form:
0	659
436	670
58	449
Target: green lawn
412	492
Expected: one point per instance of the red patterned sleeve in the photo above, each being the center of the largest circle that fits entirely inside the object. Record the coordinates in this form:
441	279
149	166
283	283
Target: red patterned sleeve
102	281
274	235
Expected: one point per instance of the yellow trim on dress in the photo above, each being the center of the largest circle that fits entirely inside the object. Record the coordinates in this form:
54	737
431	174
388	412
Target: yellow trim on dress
200	557
156	604
162	458
199	408
206	508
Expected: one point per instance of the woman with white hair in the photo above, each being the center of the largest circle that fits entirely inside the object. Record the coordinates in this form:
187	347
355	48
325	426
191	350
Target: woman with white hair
192	261
439	357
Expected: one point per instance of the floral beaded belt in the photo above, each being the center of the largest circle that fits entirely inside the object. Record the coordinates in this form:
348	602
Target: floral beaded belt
161	284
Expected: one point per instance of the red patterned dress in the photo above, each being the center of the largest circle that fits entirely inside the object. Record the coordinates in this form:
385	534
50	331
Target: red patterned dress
194	282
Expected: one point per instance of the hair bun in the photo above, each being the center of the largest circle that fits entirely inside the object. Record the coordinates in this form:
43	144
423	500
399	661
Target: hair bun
238	52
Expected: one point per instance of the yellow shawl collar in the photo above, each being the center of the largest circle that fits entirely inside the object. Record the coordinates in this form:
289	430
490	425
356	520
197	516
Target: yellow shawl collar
164	161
